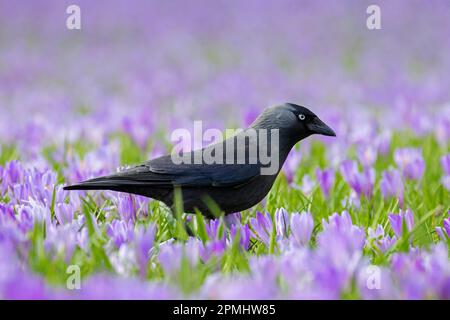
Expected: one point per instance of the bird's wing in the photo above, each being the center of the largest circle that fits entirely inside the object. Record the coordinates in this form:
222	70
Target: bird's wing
163	172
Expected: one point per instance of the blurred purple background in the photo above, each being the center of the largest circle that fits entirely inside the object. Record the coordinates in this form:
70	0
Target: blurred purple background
148	66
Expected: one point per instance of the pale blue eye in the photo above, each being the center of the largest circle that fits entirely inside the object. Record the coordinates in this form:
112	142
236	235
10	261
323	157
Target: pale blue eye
301	116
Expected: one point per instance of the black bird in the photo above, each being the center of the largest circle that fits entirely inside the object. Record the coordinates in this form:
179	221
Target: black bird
233	187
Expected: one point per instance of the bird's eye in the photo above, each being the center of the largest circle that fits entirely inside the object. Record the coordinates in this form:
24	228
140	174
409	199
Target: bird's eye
301	116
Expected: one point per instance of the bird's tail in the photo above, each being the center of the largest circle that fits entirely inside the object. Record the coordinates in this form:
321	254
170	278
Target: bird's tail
101	183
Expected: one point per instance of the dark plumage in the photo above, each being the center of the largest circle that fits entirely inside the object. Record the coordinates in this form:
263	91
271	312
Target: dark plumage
233	187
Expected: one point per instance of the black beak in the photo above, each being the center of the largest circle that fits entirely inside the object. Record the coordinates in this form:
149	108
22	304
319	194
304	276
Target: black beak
319	127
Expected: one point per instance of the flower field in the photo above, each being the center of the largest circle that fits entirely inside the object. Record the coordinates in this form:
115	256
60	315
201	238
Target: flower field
365	215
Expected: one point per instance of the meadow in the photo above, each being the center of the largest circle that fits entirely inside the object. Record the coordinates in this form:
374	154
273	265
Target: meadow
365	215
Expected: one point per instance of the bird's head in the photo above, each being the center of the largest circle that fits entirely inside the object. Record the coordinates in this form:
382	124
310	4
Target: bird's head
299	122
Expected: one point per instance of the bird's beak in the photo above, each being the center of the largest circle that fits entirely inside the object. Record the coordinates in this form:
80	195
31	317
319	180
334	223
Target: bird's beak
319	127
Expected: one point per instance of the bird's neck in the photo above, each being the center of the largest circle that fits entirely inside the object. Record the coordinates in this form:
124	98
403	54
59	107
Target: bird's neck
287	142
281	142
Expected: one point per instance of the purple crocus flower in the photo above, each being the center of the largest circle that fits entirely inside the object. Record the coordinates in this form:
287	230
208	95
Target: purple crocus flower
341	221
410	272
3	186
244	235
61	195
391	184
43	184
446	182
138	129
307	185
340	227
75	199
361	182
367	154
383	142
143	240
216	243
24	218
291	165
12	173
281	222
233	218
211	249
410	162
37	185
445	163
39	212
383	242
444	231
64	213
397	220
437	271
265	267
15	222
262	227
98	162
123	260
171	254
20	193
141	205
125	207
7	211
326	180
375	234
60	241
82	237
120	232
302	225
442	129
338	253
212	229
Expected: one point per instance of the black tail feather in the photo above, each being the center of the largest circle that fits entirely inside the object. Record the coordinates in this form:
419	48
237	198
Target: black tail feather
104	183
87	186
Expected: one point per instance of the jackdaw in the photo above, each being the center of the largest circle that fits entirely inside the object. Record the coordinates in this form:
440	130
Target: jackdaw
242	172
